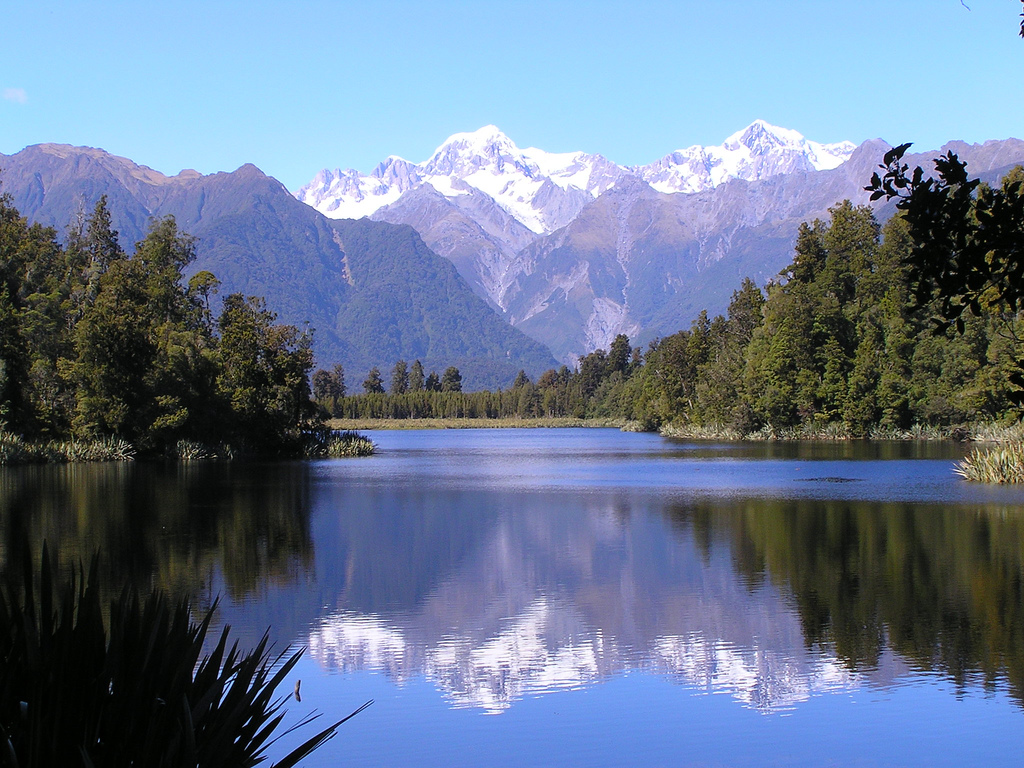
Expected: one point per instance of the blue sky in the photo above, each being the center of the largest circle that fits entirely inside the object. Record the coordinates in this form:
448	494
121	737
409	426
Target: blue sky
294	87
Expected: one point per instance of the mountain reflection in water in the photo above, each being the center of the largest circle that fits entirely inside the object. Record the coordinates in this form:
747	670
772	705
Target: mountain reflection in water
502	566
562	593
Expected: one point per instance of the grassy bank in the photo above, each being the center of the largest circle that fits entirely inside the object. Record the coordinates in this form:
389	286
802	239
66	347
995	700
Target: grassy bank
320	444
999	460
465	423
985	432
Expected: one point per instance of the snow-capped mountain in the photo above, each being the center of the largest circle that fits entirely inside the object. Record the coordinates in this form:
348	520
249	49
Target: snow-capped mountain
501	214
531	185
544	191
757	152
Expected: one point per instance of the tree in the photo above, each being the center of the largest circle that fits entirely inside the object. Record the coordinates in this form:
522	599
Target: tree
329	387
967	252
201	286
95	343
618	354
337	381
592	371
321	385
433	383
400	378
264	376
139	355
373	384
416	377
451	380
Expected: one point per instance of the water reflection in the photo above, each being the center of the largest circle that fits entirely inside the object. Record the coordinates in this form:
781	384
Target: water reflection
559	570
200	529
941	587
560	592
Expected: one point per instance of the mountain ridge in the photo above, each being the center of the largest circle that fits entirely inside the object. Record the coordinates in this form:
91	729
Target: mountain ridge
489	161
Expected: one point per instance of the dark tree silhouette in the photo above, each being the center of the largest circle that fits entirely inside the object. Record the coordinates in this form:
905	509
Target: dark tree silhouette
967	250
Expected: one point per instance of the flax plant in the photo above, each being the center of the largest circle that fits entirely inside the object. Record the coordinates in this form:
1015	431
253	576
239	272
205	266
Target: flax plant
85	685
1002	464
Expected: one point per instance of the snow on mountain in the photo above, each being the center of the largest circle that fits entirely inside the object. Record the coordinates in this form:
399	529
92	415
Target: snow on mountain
758	151
351	195
519	180
544	191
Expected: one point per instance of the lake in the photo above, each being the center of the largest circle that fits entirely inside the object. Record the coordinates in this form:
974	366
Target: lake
587	597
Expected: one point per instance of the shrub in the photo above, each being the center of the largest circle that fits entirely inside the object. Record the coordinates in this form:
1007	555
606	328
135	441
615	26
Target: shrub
190	450
15	450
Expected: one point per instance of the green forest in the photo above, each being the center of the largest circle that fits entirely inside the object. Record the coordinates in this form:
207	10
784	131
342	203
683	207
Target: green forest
99	347
839	344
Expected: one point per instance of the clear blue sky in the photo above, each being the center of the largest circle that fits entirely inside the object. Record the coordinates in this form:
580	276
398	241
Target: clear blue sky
297	86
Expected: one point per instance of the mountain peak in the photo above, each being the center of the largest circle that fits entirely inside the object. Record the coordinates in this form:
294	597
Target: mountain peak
469	152
248	170
486	159
761	137
488	134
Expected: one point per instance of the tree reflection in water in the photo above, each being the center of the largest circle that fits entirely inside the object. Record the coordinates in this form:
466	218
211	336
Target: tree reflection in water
943	587
186	528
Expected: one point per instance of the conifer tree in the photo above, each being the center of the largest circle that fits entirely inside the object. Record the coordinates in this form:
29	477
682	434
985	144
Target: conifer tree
400	378
451	380
416	377
373	384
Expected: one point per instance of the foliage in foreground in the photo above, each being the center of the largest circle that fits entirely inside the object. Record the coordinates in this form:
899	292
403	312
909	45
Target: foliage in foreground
967	254
76	689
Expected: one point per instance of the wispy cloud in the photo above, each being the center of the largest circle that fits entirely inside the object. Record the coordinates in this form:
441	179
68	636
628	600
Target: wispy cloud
16	95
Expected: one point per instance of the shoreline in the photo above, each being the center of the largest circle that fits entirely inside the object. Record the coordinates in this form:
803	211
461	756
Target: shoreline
964	433
558	422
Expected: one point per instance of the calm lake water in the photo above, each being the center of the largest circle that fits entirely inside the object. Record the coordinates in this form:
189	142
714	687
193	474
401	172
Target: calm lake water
592	597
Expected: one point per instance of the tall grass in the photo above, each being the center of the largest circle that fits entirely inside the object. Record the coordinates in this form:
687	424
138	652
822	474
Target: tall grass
191	450
348	444
15	450
325	443
78	688
701	432
998	464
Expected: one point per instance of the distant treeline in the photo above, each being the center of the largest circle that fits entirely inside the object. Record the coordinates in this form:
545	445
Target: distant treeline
96	343
834	341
